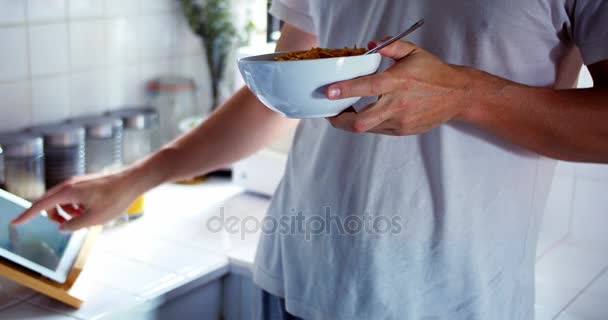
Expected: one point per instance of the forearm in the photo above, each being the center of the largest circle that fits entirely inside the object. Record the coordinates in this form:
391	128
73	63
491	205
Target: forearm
237	129
562	124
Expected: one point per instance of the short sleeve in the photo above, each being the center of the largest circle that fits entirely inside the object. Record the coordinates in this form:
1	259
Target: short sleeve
590	29
294	12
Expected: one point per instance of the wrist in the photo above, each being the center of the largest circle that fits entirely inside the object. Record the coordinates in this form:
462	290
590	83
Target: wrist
149	172
482	91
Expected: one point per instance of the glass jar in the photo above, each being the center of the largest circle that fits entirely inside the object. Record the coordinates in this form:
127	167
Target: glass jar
64	149
103	142
140	138
174	97
23	165
140	132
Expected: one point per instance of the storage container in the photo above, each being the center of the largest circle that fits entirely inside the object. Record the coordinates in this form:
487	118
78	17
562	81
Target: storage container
64	150
23	165
103	145
174	97
140	138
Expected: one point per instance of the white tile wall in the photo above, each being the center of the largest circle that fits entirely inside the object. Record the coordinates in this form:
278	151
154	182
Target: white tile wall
121	38
13	53
46	10
12	11
50	99
87	44
86	8
155	6
48	45
88	92
156	36
63	58
187	41
125	86
114	8
14	106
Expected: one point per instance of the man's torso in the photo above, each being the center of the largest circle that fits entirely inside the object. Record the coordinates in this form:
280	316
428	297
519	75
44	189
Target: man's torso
469	203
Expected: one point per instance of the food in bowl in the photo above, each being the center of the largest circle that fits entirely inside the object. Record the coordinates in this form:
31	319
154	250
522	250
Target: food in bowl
321	53
297	88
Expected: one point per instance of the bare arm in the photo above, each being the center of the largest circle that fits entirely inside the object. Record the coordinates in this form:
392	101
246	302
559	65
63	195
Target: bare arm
237	129
421	92
569	125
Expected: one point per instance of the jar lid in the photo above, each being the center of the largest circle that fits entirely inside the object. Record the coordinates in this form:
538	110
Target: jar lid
138	118
171	84
98	127
60	134
21	145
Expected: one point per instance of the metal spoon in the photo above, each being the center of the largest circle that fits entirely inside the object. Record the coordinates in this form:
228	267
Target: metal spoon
397	37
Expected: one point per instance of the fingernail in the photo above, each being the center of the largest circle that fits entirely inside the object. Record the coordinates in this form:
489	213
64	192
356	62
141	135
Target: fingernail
334	92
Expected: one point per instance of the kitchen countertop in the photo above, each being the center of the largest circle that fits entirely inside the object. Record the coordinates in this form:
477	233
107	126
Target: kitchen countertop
170	247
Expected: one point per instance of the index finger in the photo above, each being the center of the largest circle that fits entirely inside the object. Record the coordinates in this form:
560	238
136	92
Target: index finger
368	86
47	202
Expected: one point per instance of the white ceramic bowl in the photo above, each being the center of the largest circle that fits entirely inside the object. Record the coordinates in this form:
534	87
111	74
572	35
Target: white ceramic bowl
297	89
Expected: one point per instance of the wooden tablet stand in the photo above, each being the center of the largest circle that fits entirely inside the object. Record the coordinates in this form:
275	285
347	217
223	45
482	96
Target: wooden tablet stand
58	291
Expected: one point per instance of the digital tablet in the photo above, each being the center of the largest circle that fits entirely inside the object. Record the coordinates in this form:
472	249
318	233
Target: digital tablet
37	245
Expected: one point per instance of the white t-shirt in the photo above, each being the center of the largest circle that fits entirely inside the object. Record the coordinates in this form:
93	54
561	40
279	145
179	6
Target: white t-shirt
462	207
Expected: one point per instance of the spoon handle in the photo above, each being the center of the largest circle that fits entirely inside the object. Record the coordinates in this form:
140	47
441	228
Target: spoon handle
397	37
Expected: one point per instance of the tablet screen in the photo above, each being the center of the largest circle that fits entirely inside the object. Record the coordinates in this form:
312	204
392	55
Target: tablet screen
38	244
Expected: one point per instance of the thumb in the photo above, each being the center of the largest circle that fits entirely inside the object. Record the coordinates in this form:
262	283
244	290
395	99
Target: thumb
87	219
397	50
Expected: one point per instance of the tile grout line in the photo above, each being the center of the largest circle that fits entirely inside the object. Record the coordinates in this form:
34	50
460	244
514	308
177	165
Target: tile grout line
108	66
572	200
29	78
569	303
103	17
140	60
69	73
551	247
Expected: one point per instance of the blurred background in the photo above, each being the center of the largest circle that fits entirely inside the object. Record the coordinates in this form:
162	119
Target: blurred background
61	59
